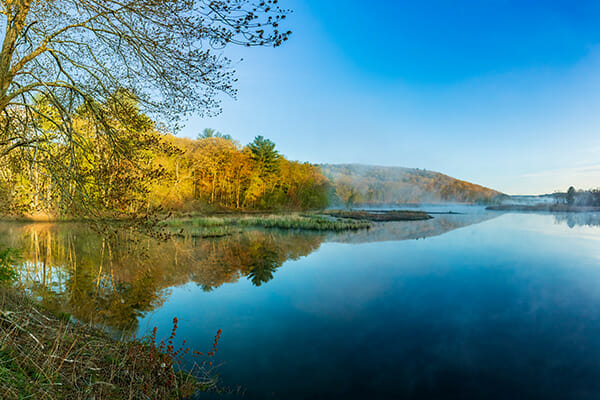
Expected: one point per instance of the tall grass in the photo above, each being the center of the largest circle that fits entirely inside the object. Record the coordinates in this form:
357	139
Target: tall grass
199	225
43	356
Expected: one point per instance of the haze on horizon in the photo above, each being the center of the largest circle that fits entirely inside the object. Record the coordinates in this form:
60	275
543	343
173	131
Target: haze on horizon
498	93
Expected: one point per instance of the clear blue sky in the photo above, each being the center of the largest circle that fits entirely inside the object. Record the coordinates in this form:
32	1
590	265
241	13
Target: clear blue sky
497	92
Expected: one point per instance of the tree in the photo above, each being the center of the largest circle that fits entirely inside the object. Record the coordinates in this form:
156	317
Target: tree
209	133
213	160
264	184
64	57
265	155
570	195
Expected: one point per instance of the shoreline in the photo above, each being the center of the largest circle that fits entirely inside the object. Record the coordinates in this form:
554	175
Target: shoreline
543	208
217	224
46	356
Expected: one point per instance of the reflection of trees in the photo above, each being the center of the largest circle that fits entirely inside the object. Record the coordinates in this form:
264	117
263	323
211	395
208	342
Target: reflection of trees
263	261
578	219
113	282
256	255
408	230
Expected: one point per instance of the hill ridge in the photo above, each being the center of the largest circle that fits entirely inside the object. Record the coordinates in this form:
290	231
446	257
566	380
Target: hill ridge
366	184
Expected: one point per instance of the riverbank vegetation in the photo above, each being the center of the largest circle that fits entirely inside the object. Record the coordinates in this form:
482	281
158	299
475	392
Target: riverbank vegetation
217	173
46	356
167	173
578	198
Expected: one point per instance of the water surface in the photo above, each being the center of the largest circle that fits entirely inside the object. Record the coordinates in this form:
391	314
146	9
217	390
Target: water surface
480	305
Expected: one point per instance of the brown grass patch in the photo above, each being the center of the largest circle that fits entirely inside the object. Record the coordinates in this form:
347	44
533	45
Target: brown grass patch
45	356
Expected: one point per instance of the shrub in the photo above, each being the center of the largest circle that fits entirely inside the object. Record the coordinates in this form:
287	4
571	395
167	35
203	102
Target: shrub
8	256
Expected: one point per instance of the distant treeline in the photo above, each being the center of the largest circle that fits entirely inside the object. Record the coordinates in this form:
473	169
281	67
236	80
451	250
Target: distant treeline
582	198
373	185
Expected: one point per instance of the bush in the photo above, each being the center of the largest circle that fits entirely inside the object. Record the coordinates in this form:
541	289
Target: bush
8	256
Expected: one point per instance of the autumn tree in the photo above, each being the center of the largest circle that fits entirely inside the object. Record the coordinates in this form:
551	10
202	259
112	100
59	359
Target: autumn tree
63	57
213	167
217	173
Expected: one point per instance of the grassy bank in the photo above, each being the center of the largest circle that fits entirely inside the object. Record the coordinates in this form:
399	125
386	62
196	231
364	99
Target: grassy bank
45	356
223	225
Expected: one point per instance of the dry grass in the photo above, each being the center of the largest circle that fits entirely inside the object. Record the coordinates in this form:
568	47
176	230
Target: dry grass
44	356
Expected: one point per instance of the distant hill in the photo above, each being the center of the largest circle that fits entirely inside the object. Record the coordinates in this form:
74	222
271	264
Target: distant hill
355	184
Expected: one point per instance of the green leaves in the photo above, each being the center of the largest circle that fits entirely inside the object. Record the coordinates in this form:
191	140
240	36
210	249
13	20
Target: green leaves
264	153
8	257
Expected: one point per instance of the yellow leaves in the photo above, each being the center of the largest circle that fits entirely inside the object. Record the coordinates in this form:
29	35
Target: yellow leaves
227	176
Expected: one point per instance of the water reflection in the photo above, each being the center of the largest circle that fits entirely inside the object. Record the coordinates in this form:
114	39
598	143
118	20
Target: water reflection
112	283
578	219
502	309
72	269
409	230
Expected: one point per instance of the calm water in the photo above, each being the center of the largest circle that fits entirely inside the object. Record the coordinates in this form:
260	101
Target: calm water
474	306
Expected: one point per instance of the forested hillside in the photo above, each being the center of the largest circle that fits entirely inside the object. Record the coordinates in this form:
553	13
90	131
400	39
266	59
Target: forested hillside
356	184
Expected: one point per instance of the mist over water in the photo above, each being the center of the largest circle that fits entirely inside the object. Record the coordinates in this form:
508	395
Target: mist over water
474	305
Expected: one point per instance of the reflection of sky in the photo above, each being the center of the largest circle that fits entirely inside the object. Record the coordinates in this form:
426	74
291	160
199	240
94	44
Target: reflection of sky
573	227
492	310
54	277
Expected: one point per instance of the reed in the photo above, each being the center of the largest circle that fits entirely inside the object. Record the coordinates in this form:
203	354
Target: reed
227	224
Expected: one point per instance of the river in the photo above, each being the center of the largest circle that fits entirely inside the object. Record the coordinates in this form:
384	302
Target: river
468	306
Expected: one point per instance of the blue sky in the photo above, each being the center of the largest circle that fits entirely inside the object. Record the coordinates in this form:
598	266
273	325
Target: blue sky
496	92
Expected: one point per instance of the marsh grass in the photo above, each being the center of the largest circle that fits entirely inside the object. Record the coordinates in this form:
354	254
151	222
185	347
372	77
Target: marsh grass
201	231
43	356
223	225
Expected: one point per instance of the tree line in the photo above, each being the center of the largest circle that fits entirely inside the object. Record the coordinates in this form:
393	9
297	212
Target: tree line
147	171
215	171
581	198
